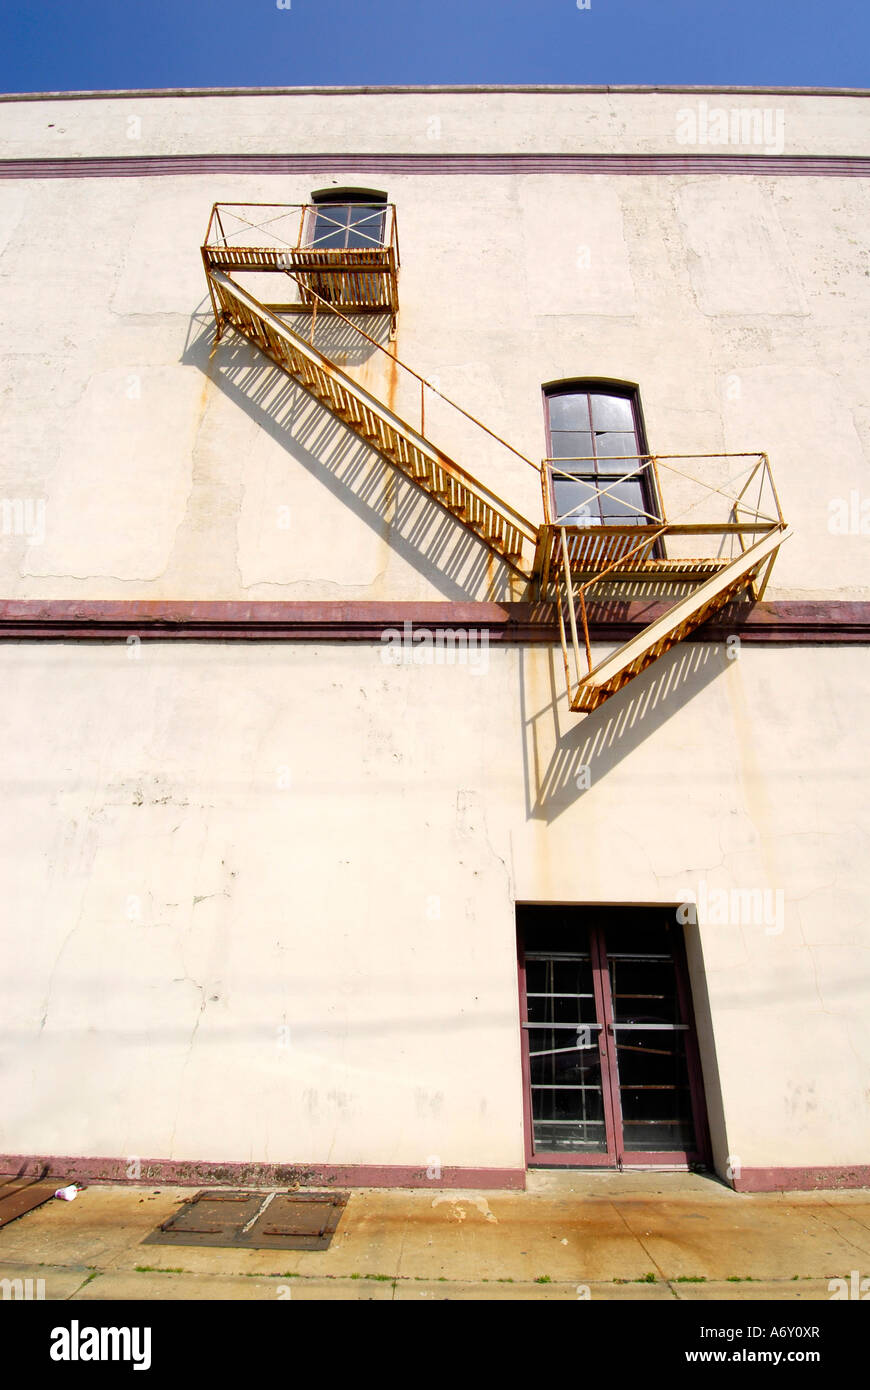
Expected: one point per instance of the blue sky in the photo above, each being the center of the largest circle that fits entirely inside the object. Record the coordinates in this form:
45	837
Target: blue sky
95	44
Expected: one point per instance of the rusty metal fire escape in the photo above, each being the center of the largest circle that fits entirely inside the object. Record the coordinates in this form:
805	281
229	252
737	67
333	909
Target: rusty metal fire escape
699	562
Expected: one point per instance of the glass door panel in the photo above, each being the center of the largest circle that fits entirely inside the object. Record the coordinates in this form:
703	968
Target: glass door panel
564	1054
653	1090
649	1039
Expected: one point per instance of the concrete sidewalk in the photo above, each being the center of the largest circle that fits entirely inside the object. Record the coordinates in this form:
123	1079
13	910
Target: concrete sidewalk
596	1235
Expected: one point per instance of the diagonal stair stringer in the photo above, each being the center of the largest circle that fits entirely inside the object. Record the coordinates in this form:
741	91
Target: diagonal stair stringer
640	651
509	534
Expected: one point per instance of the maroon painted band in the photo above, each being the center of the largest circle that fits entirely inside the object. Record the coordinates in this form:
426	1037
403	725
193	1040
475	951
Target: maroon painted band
830	623
802	1179
152	166
196	1172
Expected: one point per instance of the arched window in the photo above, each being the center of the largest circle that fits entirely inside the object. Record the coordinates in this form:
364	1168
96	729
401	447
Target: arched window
347	219
595	441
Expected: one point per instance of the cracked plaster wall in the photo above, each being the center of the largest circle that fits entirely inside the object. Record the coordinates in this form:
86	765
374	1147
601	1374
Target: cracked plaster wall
739	305
234	931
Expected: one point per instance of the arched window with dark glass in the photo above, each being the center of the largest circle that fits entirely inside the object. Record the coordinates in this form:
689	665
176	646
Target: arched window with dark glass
347	219
596	444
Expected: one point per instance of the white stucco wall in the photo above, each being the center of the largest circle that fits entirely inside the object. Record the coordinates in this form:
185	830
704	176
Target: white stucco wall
212	843
427	122
261	898
738	304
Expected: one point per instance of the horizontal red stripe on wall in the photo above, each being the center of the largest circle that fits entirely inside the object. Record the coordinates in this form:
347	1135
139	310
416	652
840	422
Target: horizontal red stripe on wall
196	1172
802	1179
200	1172
169	620
151	166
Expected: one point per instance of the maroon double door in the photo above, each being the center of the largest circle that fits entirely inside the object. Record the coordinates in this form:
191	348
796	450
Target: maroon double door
611	1070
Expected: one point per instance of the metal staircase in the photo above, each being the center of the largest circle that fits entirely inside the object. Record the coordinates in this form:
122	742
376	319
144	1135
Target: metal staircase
710	562
504	530
710	597
714	559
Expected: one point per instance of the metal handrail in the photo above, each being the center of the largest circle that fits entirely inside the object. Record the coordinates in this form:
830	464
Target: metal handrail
410	370
452	469
650	464
222	239
744	518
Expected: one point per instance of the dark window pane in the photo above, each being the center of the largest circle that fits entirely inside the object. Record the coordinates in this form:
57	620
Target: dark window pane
612	445
612	413
569	412
333	214
330	227
366	227
582	1135
560	992
362	215
357	240
658	1137
564	1055
576	502
624	503
648	941
339	213
644	991
654	1090
560	934
571	444
330	239
567	1101
348	225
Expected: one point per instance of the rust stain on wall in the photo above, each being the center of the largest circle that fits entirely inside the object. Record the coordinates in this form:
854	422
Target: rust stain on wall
393	374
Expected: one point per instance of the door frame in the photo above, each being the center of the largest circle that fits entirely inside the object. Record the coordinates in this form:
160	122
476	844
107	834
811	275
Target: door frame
700	1156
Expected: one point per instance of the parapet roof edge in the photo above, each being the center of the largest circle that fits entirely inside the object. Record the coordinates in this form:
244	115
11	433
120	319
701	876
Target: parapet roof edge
553	90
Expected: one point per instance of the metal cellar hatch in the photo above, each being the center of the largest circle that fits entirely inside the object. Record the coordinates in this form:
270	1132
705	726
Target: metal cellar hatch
18	1195
254	1221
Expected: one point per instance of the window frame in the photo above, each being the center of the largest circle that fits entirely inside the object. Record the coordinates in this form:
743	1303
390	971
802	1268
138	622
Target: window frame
605	386
371	199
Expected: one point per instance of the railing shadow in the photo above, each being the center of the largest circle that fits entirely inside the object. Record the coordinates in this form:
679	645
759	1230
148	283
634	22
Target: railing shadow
566	756
331	335
455	562
339	341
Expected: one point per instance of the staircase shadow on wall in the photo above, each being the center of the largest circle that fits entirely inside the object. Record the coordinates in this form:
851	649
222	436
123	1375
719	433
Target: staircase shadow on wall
562	752
454	561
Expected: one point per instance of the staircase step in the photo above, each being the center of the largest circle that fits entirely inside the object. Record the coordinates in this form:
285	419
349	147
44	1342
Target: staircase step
665	632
